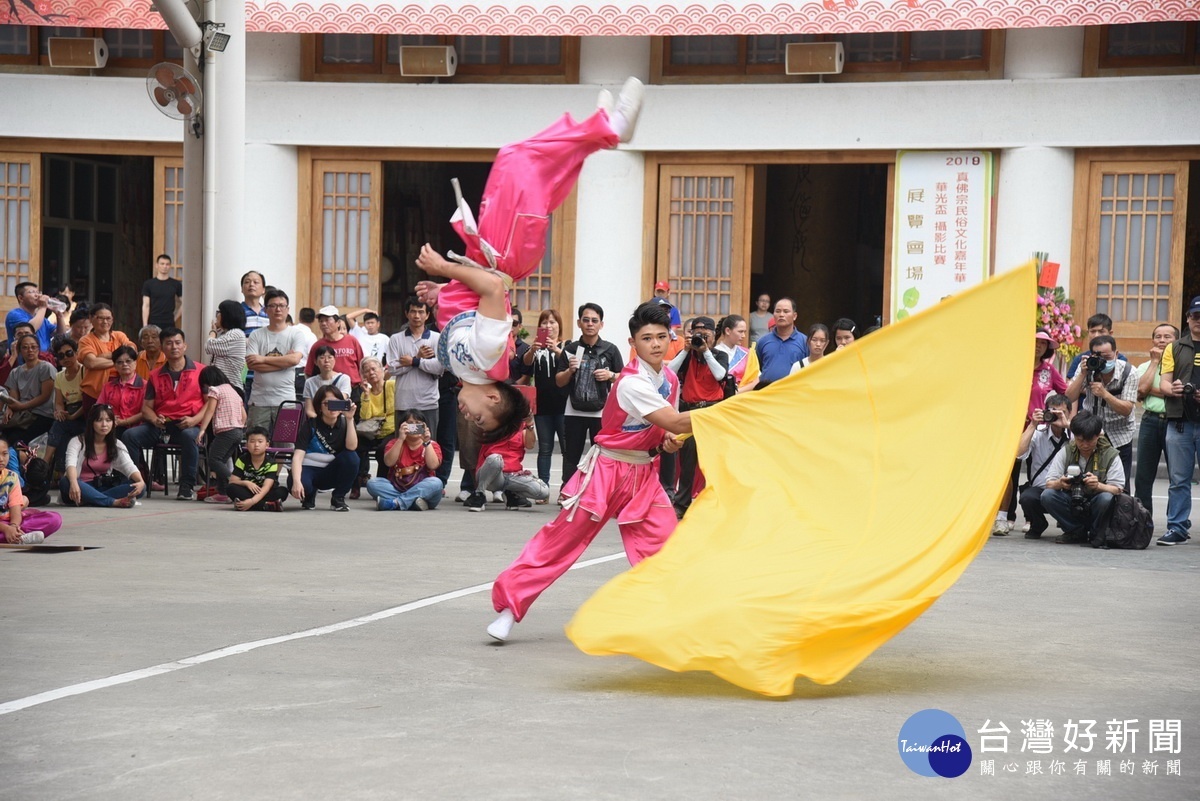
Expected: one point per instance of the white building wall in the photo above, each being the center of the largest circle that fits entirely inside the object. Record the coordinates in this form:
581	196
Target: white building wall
1036	186
272	201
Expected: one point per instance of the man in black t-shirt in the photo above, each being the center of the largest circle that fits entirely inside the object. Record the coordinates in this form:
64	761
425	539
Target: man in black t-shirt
162	296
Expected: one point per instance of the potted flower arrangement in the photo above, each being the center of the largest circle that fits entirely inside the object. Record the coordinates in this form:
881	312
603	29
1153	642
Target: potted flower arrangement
1054	313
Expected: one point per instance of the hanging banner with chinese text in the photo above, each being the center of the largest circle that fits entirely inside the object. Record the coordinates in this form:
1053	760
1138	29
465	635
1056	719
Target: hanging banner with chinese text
942	232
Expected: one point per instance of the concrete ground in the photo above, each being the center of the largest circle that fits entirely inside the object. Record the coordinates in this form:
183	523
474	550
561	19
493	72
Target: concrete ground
419	703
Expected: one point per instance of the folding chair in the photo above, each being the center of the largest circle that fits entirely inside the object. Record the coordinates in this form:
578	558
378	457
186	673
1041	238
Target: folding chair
285	431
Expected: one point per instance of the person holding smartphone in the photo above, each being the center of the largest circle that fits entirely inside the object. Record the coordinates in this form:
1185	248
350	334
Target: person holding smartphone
326	451
412	459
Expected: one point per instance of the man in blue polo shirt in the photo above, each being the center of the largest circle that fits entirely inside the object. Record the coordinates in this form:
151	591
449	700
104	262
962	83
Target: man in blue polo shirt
32	308
782	346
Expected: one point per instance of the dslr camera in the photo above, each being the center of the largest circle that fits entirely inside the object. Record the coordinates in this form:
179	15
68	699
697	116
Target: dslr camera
1095	366
698	341
1049	416
1079	498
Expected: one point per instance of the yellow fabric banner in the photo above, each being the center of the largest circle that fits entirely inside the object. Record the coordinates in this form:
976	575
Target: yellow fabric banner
841	502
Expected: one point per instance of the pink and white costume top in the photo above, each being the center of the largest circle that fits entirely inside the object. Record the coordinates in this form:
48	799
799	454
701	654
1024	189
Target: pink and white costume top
638	391
474	347
624	444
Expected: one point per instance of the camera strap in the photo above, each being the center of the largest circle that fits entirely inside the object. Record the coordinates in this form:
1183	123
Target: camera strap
1034	473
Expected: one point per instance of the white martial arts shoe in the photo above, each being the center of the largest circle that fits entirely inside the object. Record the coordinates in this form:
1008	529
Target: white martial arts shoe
501	627
629	104
606	102
32	538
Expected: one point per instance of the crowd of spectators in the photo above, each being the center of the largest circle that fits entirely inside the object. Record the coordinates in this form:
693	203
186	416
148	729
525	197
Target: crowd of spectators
100	406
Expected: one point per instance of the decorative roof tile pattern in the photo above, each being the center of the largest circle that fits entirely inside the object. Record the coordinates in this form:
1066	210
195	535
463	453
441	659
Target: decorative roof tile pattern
543	18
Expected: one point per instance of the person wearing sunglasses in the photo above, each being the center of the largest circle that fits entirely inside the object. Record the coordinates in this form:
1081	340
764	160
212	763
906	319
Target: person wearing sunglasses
68	399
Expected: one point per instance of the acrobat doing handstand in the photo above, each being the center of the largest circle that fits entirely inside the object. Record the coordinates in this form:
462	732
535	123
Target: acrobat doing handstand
528	181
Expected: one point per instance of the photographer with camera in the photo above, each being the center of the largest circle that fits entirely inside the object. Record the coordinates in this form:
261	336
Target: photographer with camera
412	459
1178	385
1108	388
1082	480
326	454
701	369
1045	436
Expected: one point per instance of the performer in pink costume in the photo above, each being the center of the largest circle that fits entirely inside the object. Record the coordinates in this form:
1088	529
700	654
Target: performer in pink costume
528	181
617	478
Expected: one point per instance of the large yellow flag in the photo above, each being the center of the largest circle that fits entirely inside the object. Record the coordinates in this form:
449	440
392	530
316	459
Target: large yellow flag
841	502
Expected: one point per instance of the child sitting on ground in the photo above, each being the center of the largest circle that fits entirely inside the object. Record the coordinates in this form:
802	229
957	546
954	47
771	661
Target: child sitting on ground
412	459
20	527
254	485
528	181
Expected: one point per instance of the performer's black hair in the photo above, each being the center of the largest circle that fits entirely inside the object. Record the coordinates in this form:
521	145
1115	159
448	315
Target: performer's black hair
649	313
510	413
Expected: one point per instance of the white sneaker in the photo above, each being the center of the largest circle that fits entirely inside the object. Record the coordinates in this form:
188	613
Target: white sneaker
1001	528
1025	527
496	497
421	504
462	497
36	538
629	104
501	627
605	101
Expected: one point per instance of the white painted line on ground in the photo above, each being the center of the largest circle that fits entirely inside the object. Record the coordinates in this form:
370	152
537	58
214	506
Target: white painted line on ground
241	648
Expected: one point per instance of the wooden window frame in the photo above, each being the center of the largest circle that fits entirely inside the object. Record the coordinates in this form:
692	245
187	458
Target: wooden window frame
34	160
39	62
30	59
1085	232
161	165
989	66
1097	65
379	70
743	177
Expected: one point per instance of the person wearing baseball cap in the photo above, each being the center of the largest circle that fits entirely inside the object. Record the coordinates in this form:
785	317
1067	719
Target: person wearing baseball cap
347	350
662	290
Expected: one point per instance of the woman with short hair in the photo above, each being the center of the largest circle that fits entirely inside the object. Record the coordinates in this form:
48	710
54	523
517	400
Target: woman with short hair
29	395
376	420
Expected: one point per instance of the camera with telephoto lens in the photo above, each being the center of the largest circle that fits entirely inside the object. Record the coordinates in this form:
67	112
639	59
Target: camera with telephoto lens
1189	389
698	341
1095	366
1049	416
1074	479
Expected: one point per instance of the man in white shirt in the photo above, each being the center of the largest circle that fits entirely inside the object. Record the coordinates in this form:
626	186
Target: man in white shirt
272	352
1040	443
412	359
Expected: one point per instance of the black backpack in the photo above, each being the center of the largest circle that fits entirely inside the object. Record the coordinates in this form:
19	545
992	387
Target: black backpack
37	482
1127	525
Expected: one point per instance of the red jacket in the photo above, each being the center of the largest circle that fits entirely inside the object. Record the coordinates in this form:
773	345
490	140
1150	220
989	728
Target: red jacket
126	399
172	401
